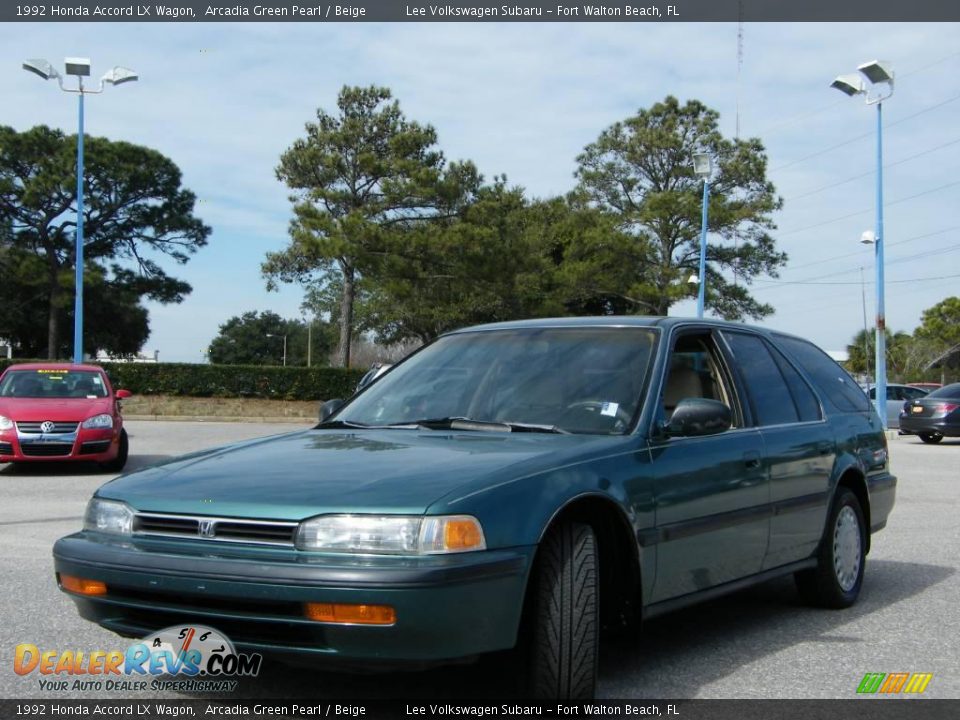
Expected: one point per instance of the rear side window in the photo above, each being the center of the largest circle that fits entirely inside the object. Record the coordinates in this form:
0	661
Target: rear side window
807	404
768	390
837	388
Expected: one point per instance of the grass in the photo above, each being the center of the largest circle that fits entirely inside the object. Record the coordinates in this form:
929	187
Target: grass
171	407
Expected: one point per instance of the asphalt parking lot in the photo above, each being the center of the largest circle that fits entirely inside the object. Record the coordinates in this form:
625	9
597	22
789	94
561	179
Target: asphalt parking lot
761	643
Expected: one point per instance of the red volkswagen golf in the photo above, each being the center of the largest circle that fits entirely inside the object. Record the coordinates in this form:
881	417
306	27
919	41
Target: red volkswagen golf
56	412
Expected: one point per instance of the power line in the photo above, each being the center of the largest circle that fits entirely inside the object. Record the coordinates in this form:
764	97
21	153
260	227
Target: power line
872	172
863	135
898	242
886	282
773	284
861	212
791	308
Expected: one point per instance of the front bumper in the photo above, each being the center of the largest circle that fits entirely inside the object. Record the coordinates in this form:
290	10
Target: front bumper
83	445
447	607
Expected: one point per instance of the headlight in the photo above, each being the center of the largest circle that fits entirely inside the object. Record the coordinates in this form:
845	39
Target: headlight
6	423
108	516
391	534
99	421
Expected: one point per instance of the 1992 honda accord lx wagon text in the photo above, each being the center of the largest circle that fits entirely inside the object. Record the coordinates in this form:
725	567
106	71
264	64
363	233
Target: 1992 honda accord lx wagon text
518	485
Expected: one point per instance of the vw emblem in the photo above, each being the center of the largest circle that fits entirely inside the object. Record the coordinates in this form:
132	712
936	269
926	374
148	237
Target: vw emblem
47	427
205	529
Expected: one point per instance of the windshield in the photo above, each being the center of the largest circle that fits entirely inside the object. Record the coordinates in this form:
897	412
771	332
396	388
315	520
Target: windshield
580	379
53	384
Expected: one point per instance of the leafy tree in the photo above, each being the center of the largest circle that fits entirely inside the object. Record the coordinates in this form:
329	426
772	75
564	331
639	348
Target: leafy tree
903	362
357	176
135	211
594	263
940	324
641	170
488	264
257	339
114	319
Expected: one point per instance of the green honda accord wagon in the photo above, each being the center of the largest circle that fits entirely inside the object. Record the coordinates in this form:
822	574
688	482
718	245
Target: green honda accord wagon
509	487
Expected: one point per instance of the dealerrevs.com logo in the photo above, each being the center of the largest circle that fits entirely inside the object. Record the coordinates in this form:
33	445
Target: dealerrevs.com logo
191	657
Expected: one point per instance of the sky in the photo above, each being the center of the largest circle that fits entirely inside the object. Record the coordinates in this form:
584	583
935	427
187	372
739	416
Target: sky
223	101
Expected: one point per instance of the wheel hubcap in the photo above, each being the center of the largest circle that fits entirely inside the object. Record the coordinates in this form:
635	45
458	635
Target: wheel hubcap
846	548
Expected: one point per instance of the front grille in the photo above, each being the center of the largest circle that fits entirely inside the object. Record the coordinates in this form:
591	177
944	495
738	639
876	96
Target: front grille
260	532
6	448
94	447
33	427
46	449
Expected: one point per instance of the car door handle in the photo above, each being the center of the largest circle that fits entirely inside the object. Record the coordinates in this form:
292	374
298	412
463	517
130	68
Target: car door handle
751	459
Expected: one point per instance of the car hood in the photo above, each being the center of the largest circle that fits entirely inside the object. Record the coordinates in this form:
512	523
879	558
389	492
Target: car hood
298	475
54	409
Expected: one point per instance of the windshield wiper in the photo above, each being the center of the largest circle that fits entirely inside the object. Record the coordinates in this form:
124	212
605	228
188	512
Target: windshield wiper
465	423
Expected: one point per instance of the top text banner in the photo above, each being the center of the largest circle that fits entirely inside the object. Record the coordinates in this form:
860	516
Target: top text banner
858	11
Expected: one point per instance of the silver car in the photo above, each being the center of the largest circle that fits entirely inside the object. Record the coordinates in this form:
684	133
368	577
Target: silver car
896	396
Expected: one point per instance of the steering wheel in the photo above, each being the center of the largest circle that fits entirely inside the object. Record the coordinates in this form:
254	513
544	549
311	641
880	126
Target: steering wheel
595	408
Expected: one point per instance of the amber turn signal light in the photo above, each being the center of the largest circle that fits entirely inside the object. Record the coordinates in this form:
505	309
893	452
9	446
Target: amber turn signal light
344	614
462	534
82	586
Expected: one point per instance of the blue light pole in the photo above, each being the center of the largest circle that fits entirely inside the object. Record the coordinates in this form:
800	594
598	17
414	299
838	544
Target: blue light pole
703	167
78	298
79	67
880	75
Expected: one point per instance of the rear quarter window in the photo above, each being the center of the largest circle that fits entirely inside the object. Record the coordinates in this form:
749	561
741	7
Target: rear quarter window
837	389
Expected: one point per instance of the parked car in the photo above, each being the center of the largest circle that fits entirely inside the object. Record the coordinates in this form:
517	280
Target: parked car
63	413
933	417
510	486
928	386
897	395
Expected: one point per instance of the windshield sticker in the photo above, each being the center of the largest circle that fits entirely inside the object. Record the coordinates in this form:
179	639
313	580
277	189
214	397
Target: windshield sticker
609	408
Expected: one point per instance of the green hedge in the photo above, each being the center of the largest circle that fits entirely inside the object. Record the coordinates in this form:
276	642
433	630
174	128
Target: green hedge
272	383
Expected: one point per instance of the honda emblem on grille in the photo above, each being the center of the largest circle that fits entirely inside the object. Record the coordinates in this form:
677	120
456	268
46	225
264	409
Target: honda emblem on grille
205	529
47	427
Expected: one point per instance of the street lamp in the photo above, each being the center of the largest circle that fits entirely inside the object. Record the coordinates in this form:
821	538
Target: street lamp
703	167
270	335
80	68
880	76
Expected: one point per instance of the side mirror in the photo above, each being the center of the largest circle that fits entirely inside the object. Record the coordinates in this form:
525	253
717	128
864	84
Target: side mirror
330	407
698	416
123	394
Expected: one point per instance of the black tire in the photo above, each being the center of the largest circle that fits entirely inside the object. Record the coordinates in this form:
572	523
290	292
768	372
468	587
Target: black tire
931	438
116	465
563	643
836	580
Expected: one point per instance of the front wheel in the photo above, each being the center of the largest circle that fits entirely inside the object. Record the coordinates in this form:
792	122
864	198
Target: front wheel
116	465
564	642
931	438
836	580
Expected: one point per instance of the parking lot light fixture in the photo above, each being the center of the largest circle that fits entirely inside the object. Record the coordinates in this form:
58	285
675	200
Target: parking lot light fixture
79	68
880	76
271	335
703	167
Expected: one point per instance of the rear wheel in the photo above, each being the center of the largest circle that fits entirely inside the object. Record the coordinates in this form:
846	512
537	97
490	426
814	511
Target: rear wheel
836	580
931	438
116	465
563	623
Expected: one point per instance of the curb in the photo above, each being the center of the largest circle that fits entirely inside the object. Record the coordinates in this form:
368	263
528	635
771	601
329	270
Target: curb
223	419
